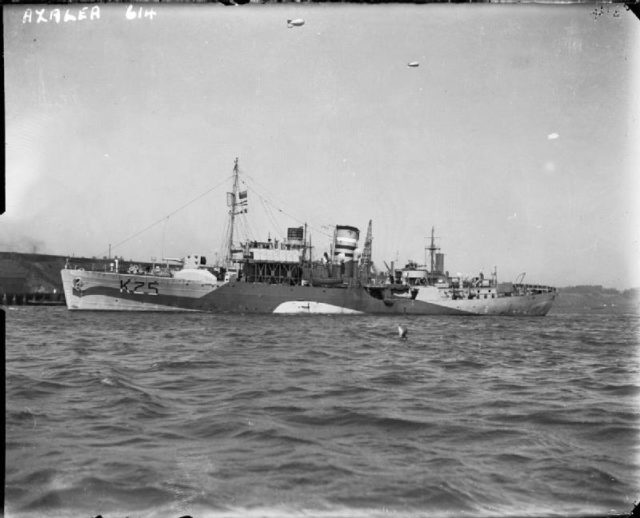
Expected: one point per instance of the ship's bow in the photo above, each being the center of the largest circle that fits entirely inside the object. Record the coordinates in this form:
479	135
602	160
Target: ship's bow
72	285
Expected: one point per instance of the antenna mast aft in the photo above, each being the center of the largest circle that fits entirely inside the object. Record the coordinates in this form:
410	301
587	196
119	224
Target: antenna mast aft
432	249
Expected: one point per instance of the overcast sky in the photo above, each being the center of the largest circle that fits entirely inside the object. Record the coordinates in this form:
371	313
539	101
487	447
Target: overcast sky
515	137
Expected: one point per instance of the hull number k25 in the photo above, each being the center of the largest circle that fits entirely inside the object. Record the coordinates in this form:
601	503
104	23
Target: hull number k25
126	287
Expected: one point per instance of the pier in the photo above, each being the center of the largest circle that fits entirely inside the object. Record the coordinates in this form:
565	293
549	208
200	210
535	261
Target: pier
31	279
33	299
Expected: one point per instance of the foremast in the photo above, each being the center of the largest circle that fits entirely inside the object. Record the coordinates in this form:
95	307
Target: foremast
237	203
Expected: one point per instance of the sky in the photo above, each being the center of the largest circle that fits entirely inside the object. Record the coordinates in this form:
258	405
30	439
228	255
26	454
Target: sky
515	137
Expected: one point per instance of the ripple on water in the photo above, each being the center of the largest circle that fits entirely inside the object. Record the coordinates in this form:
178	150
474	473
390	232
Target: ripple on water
263	414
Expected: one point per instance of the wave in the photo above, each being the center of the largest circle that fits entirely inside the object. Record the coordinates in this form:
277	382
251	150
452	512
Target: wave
213	415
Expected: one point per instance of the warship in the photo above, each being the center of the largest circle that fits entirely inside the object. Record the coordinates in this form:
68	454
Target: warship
283	277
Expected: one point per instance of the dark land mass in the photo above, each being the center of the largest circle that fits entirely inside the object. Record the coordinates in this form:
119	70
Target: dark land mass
35	279
581	299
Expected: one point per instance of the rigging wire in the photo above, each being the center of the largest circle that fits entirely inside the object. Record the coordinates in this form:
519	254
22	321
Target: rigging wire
165	218
222	247
269	207
298	220
251	231
246	228
270	215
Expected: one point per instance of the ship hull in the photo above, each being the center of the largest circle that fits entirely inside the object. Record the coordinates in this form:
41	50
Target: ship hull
88	290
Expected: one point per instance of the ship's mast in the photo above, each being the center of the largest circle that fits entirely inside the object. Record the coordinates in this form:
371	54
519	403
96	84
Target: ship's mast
232	202
432	249
304	245
366	255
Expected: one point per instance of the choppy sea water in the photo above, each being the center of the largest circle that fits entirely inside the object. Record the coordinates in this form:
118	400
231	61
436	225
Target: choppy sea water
156	415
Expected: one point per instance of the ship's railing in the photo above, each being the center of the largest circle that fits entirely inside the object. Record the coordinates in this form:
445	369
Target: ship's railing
121	266
533	288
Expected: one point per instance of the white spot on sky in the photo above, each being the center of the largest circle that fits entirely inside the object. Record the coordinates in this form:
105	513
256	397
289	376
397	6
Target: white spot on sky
513	216
549	167
552	136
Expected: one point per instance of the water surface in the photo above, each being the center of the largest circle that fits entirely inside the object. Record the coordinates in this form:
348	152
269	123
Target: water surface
157	415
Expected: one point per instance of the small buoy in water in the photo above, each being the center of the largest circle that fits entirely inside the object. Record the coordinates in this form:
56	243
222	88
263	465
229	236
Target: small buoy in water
402	332
298	22
413	64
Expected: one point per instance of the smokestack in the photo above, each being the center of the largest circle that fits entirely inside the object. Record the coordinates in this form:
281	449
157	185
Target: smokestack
346	241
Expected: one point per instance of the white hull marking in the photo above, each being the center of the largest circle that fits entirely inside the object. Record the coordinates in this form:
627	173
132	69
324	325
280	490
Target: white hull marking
307	307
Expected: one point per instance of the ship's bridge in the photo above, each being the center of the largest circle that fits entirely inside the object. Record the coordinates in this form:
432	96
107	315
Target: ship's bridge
275	255
272	262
